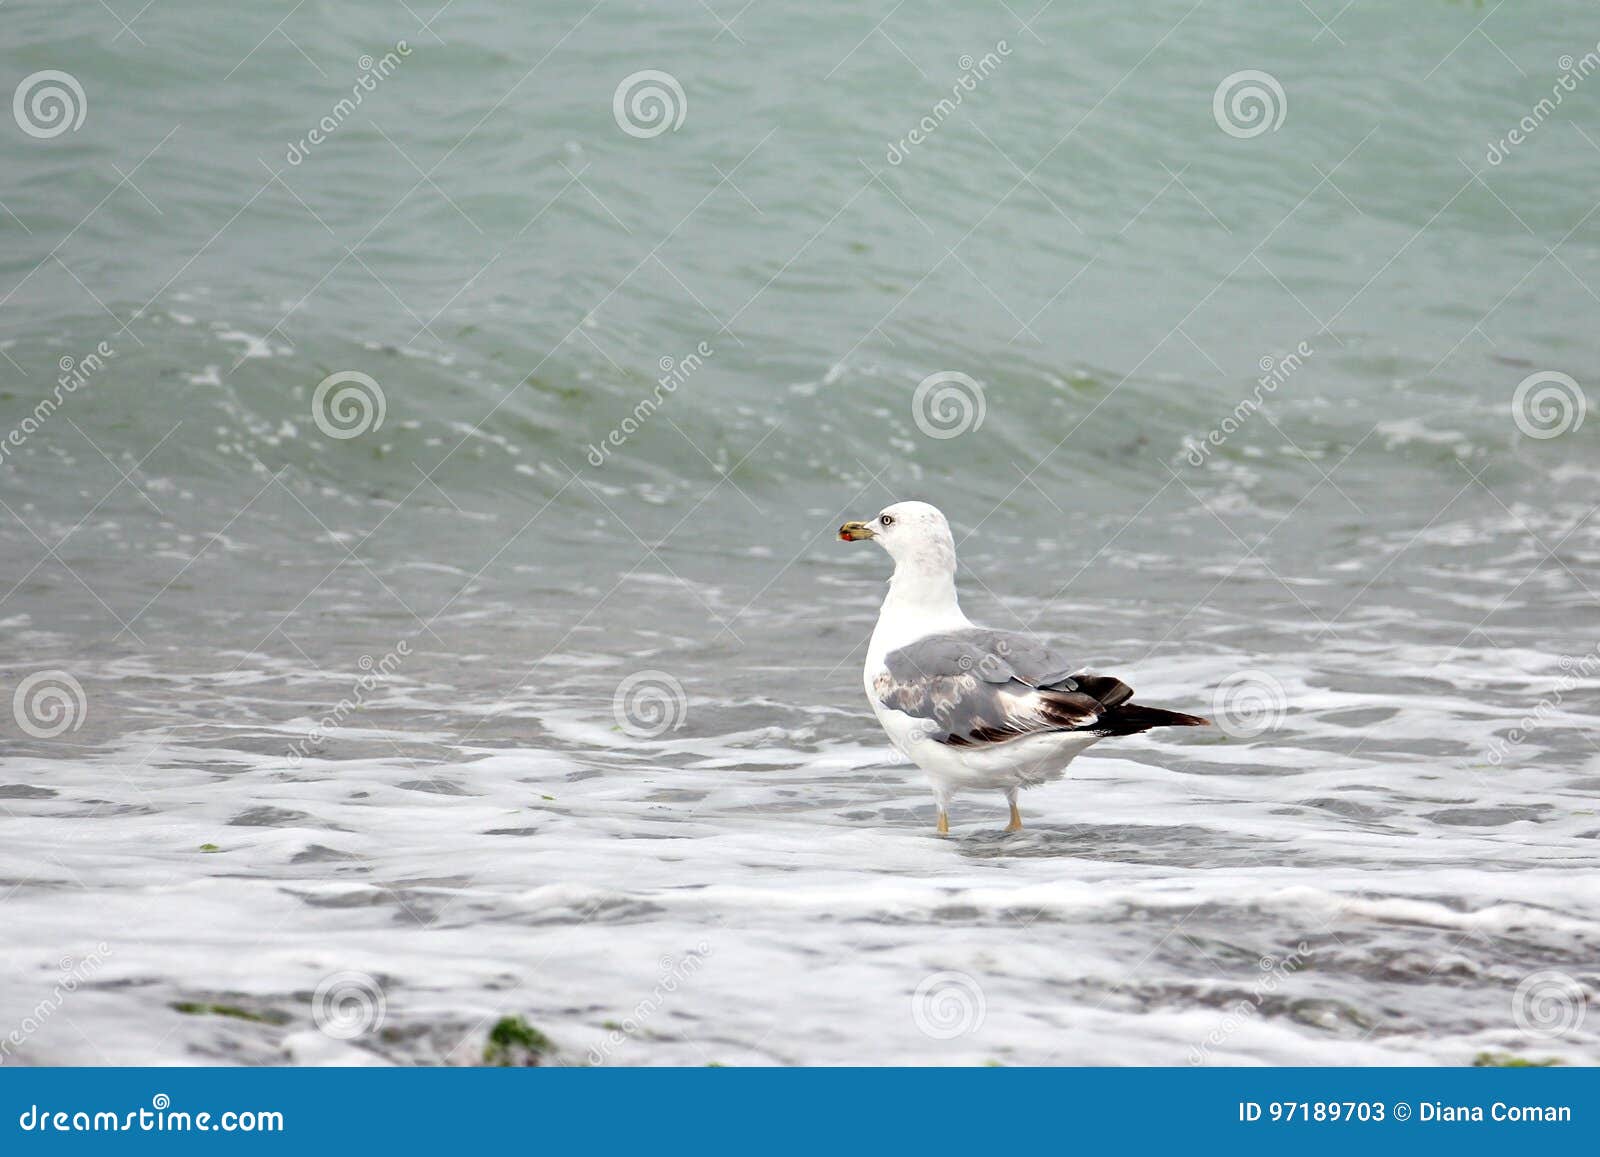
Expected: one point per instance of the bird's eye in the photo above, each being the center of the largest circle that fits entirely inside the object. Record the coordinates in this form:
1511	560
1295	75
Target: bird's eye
886	519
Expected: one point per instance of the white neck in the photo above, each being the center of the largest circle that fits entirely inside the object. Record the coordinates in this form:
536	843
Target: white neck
921	600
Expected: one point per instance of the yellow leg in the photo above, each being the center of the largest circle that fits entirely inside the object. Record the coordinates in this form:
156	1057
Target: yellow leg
944	823
1016	819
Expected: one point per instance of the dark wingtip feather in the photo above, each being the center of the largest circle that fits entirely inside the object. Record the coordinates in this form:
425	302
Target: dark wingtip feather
1132	718
1176	719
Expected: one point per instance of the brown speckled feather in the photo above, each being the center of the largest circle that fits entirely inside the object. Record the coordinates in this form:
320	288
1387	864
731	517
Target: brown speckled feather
977	687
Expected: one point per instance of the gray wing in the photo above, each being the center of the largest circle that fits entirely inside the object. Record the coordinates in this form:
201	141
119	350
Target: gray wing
977	687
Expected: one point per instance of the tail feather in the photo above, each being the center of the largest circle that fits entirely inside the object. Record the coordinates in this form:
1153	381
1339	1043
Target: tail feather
1132	718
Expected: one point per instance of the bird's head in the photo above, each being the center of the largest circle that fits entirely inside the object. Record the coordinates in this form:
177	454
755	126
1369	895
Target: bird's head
907	530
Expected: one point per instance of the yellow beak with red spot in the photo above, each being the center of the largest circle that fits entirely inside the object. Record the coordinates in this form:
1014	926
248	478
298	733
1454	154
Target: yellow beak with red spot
855	532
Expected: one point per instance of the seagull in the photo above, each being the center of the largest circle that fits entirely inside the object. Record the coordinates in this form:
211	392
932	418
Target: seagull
977	709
